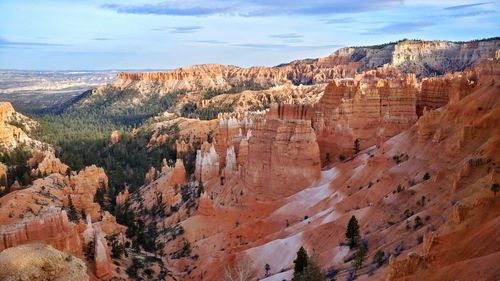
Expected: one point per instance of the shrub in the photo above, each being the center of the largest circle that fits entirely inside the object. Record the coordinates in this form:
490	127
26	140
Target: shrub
426	176
379	258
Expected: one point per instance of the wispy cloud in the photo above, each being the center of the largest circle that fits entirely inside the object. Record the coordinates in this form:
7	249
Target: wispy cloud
285	46
102	39
466	6
4	43
252	7
398	28
338	20
178	29
185	29
214	42
287	36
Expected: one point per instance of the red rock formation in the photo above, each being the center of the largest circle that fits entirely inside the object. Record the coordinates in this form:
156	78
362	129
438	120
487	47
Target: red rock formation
84	187
50	164
178	173
6	111
122	197
436	92
405	267
207	164
3	177
283	155
52	227
373	107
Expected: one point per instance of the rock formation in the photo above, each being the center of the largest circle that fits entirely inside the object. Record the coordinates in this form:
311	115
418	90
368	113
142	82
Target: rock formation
52	227
207	164
49	164
373	107
84	187
283	155
405	267
115	137
40	262
122	197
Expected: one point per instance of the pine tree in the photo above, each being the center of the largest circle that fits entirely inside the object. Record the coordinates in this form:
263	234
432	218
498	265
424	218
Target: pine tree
357	146
312	272
72	214
352	232
359	258
300	262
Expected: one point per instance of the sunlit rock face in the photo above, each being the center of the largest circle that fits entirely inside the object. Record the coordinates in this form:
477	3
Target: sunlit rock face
52	227
373	107
40	262
283	155
207	164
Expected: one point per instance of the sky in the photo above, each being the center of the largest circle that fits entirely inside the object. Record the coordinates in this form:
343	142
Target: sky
166	34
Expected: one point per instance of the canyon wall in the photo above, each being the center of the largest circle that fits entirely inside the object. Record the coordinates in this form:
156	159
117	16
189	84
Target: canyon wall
52	227
283	155
372	107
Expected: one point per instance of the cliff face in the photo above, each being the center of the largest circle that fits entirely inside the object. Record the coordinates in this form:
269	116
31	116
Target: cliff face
51	227
12	136
436	92
283	155
424	58
419	57
373	107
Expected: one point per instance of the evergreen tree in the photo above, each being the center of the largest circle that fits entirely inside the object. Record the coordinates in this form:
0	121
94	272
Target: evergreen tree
312	272
357	146
300	262
495	188
72	214
352	232
359	258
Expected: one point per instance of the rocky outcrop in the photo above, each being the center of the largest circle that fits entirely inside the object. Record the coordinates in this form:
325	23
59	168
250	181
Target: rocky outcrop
122	197
93	234
373	107
405	267
40	262
51	227
109	226
436	92
115	137
6	111
230	167
438	57
84	187
50	164
3	177
207	164
178	175
420	57
283	155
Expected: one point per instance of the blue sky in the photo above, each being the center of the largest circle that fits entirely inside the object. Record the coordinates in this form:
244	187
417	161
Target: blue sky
141	34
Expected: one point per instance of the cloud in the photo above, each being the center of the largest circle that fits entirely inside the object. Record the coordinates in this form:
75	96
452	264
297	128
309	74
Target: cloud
287	36
338	20
285	46
185	29
398	28
460	7
471	14
4	43
251	8
102	39
214	42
